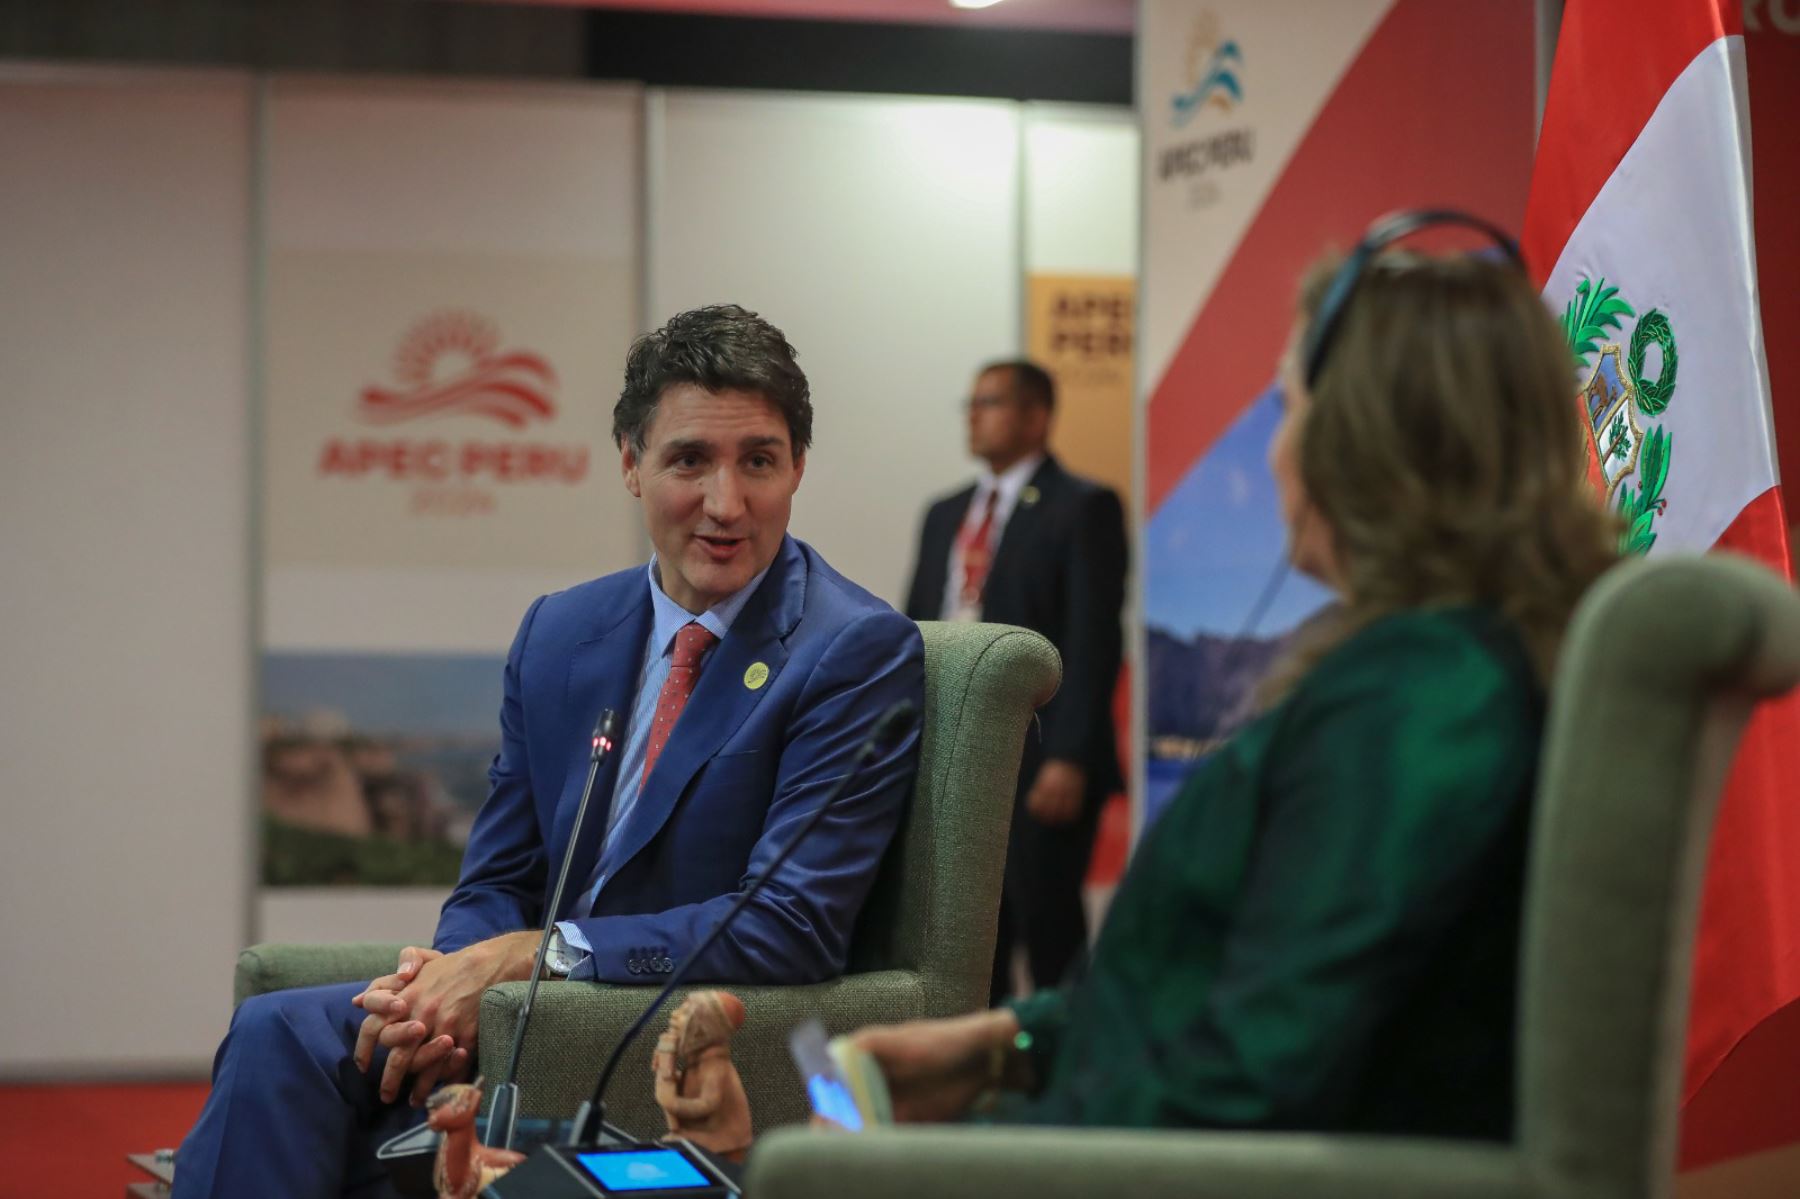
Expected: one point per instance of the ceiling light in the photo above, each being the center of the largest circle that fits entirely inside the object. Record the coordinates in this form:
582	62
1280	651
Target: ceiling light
973	3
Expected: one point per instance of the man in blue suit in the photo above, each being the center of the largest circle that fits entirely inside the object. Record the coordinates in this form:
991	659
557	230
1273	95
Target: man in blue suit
747	673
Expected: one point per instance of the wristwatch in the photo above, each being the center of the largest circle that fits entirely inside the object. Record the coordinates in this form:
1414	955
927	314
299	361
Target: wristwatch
561	958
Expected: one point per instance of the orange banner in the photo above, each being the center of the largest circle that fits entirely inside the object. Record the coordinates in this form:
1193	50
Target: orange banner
1081	328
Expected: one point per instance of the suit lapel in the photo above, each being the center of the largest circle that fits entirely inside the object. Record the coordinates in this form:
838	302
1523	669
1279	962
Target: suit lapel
603	673
722	700
1023	522
959	509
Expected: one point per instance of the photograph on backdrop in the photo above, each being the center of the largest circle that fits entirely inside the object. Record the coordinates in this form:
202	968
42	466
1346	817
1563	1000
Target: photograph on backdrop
1213	545
373	765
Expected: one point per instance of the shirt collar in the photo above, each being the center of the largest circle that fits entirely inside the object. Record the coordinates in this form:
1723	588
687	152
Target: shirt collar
670	617
1011	481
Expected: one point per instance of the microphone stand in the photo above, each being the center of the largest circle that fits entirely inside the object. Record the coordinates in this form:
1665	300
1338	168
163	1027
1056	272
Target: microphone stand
591	1115
503	1116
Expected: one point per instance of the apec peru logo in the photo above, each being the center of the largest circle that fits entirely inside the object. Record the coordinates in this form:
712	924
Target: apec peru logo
1213	62
1211	83
453	363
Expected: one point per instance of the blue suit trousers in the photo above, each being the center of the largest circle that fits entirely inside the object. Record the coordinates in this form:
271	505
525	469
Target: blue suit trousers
289	1113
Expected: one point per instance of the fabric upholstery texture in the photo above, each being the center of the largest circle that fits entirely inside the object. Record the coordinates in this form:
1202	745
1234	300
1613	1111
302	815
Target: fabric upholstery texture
923	946
1662	665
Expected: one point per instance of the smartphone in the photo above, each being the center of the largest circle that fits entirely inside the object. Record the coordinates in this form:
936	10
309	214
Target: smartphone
827	1090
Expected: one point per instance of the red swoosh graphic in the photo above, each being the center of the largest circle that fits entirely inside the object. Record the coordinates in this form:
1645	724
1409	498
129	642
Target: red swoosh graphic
494	389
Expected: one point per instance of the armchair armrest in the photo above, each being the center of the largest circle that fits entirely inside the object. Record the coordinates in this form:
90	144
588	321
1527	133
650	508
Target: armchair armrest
574	1027
276	967
971	1162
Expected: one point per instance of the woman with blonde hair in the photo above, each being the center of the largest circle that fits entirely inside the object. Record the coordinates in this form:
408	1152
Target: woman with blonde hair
1321	931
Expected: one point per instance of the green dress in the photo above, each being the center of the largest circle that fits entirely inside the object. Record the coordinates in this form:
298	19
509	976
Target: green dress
1321	931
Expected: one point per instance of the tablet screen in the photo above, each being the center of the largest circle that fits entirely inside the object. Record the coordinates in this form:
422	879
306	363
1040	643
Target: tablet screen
642	1170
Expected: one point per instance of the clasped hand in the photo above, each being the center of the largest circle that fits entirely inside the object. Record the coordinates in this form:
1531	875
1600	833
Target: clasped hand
427	1012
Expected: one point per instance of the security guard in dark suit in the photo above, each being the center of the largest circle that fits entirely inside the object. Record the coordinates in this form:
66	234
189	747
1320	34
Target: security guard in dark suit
1030	544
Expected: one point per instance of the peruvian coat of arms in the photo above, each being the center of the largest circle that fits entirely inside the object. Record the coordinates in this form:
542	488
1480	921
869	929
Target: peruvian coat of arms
1621	383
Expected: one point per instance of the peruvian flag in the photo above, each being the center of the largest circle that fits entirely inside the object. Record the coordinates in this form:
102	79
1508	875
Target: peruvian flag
1639	228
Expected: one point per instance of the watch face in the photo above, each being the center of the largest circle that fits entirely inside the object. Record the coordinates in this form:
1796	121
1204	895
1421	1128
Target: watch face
558	960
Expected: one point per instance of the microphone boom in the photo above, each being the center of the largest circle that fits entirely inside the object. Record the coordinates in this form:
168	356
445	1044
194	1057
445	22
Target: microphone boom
503	1115
889	727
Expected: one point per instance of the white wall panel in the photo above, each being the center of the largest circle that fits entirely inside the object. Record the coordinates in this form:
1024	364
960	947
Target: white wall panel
881	234
404	915
1081	190
124	529
454	168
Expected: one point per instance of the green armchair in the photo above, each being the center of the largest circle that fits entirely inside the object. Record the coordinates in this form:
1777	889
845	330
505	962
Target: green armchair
1663	664
923	946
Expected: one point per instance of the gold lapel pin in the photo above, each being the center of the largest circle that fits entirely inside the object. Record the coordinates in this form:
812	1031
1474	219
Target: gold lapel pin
1028	496
756	675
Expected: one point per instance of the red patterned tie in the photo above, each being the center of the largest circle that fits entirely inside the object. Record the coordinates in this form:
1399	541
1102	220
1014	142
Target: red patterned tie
691	644
978	551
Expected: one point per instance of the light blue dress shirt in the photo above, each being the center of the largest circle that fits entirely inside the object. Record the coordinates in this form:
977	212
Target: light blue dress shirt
668	619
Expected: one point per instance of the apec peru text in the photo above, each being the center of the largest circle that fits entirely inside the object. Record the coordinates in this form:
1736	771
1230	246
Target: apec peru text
439	461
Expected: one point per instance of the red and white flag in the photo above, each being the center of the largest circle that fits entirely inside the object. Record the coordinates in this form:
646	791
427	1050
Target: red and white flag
1639	229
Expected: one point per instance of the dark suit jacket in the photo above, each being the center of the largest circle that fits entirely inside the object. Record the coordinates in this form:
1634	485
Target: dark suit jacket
1059	570
743	768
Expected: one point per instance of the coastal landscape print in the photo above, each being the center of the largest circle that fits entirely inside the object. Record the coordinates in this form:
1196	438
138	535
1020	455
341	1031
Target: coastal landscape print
1210	549
373	765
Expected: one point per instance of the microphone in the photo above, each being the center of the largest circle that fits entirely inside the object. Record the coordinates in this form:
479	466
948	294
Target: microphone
889	728
503	1115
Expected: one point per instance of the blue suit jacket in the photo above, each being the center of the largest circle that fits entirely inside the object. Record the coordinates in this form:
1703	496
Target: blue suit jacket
742	770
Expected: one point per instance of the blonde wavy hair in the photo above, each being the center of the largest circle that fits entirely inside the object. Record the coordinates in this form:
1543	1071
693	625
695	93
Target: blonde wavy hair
1444	451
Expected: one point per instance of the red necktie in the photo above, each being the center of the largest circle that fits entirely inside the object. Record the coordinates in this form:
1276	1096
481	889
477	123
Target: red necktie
691	644
978	552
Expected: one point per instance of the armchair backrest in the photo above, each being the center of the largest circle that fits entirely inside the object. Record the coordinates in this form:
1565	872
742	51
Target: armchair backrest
937	897
1663	663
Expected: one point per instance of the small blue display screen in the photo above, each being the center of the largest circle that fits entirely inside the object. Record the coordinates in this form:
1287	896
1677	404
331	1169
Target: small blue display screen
642	1170
832	1100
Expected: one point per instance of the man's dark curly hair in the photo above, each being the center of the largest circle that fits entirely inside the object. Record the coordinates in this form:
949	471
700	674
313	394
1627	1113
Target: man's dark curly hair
721	347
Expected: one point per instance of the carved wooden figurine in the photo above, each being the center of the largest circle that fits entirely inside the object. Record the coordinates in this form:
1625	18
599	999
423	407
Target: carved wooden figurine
464	1165
697	1087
